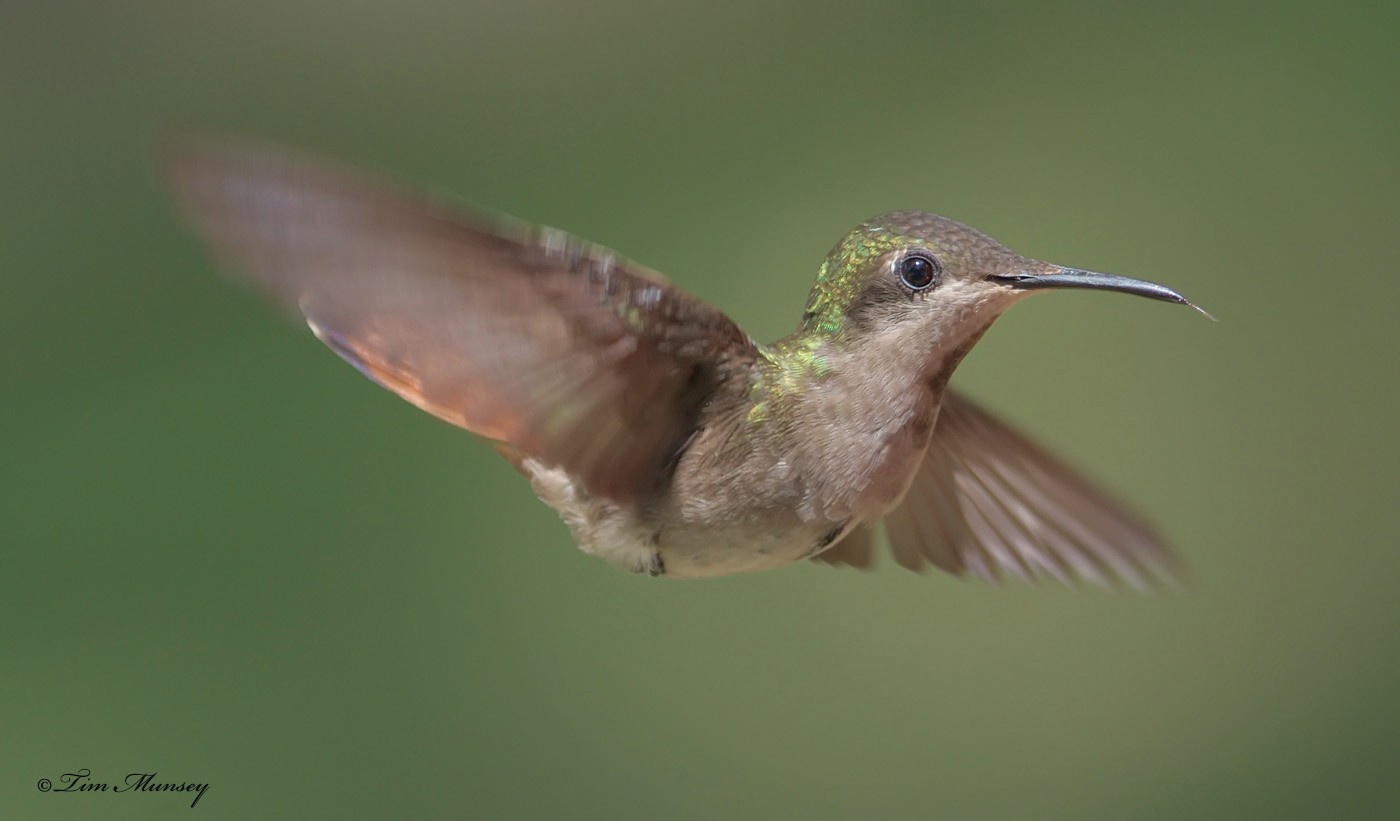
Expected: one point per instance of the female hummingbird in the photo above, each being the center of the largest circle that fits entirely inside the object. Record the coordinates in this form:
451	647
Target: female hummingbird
667	439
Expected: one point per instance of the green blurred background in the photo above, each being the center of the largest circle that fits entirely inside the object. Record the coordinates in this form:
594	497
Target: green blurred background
229	558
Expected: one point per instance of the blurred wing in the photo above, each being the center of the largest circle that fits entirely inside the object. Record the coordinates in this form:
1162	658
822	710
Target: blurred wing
856	549
989	502
523	335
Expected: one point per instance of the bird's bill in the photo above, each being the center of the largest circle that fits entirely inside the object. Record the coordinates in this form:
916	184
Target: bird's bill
1060	277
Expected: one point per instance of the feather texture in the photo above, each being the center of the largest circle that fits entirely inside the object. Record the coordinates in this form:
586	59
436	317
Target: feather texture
990	503
529	337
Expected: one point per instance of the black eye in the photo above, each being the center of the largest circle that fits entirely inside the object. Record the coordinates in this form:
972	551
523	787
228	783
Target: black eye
919	272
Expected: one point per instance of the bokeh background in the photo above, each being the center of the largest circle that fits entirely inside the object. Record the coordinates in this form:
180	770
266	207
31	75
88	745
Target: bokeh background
228	558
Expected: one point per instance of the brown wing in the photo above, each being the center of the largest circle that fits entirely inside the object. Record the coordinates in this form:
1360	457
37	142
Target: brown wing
524	335
856	549
989	502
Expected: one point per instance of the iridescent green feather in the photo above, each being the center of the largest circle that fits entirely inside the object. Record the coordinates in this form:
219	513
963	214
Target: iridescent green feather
842	276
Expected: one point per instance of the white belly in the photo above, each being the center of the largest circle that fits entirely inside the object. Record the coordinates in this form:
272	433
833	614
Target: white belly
678	544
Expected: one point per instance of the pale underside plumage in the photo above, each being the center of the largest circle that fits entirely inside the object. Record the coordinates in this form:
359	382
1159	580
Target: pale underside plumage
575	358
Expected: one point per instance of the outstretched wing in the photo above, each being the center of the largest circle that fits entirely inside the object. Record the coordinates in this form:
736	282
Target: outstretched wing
523	335
989	502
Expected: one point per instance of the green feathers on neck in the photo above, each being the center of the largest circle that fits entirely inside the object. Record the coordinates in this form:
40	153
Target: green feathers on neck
788	367
785	369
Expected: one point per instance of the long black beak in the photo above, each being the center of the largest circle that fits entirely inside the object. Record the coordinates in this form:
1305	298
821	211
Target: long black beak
1074	278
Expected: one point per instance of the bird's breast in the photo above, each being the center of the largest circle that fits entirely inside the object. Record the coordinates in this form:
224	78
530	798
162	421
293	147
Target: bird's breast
894	465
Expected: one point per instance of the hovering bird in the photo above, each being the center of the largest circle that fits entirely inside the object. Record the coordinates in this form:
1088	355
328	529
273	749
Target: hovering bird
669	441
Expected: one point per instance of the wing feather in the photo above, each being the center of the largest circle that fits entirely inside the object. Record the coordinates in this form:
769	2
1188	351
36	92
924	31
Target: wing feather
527	336
990	503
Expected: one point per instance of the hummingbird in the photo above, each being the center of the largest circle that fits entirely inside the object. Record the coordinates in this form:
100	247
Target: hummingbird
668	440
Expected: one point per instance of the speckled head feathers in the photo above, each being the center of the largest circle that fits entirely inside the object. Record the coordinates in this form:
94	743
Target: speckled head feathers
868	252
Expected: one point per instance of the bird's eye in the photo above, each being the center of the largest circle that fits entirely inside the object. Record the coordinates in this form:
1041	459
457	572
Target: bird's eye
919	272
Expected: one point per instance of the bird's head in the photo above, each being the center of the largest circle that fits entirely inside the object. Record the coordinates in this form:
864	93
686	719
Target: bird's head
935	283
